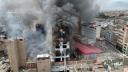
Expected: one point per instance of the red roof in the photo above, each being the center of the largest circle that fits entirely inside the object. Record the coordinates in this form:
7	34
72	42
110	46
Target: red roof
87	49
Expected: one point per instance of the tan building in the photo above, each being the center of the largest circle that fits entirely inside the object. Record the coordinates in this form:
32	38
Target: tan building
22	51
43	63
13	56
125	70
16	49
122	39
98	32
123	35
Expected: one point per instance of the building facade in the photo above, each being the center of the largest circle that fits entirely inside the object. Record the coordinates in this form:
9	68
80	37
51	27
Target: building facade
122	39
43	63
16	50
110	35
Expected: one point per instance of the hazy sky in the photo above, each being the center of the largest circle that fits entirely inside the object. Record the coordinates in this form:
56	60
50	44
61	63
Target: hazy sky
113	4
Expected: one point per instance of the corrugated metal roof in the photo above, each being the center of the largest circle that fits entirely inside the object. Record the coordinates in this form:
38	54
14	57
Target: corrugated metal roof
87	49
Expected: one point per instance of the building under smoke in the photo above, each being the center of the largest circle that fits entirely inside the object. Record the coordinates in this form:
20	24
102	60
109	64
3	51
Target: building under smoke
47	26
17	53
20	18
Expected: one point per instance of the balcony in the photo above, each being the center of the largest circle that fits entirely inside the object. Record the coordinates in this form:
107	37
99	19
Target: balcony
120	42
121	34
119	39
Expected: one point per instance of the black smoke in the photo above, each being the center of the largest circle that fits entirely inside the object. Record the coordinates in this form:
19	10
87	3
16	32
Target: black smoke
87	9
21	15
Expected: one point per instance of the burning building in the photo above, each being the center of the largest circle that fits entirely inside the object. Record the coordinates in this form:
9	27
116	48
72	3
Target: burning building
58	26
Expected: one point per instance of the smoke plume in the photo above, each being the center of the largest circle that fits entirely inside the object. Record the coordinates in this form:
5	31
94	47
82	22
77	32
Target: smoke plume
20	17
87	9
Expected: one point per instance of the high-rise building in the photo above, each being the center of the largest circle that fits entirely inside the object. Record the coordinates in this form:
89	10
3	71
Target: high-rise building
16	49
122	40
13	55
21	45
123	35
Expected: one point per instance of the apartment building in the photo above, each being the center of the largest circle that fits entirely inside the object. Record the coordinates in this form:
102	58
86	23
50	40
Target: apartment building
110	34
16	49
122	38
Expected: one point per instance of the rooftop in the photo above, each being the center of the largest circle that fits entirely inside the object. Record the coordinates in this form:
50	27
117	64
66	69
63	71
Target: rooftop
43	56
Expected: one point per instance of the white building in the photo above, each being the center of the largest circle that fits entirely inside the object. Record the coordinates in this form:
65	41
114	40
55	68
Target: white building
98	32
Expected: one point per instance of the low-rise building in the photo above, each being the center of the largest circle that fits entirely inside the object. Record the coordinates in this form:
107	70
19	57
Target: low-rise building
43	63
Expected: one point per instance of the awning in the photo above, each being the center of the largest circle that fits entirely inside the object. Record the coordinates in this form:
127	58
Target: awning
87	49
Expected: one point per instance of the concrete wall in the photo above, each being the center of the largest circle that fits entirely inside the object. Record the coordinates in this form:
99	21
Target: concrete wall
126	38
22	51
98	32
44	65
16	49
13	55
